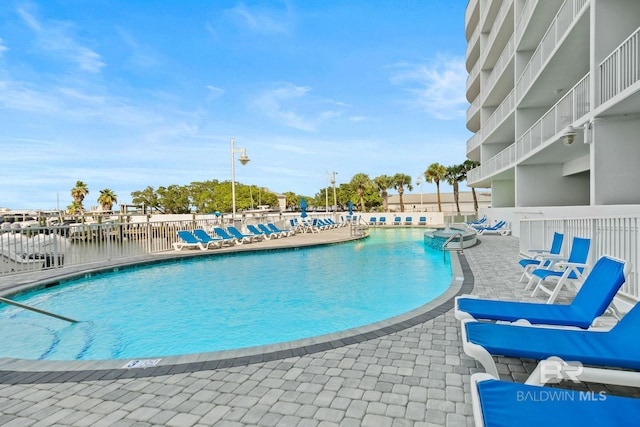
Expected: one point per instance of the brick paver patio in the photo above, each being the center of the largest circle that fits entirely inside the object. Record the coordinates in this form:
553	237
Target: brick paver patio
416	376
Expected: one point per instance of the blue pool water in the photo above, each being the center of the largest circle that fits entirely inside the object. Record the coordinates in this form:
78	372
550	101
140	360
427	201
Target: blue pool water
226	302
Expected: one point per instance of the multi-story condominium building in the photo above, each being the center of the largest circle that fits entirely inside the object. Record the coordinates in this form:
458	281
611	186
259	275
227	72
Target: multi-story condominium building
554	87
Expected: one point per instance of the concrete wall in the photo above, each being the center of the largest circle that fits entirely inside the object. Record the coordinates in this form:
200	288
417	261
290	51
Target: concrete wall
546	185
503	193
616	143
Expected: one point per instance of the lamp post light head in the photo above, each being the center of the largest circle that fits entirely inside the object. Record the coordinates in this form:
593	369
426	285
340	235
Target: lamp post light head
568	135
243	159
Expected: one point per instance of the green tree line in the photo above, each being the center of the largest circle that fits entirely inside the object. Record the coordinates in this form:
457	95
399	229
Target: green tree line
363	192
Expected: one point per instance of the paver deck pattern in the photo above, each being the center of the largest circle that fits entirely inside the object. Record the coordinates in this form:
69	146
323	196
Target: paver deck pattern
417	376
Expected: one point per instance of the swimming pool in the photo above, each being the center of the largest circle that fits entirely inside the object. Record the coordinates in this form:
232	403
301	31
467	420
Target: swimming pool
228	301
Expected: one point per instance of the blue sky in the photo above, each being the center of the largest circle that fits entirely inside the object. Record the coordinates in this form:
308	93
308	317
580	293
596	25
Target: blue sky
125	94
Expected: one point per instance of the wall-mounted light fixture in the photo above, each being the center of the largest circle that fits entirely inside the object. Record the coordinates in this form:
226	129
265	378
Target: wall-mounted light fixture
568	135
588	132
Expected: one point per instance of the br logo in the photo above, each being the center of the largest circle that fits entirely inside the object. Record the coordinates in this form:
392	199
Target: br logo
555	370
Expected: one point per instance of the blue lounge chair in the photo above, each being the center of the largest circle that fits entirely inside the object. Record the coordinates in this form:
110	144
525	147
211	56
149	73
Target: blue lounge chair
205	238
397	220
383	220
268	232
297	226
372	221
241	237
496	404
254	230
534	260
615	348
189	241
328	223
561	272
317	224
422	220
478	221
284	233
595	295
224	237
335	224
408	220
497	228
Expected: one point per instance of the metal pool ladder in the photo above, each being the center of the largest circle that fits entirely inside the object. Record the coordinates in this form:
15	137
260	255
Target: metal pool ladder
449	240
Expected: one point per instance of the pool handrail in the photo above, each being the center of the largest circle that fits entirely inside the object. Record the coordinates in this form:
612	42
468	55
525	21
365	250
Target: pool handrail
37	310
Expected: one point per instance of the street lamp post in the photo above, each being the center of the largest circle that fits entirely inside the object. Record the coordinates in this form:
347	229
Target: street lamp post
335	199
243	159
326	194
419	182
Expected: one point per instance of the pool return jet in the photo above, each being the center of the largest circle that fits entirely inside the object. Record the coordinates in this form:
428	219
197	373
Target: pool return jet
37	310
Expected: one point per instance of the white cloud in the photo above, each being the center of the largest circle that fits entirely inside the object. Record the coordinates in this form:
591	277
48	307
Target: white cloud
54	38
284	102
260	21
437	87
3	48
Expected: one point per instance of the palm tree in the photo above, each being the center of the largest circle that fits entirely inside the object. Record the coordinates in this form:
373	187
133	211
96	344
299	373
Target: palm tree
467	165
454	175
436	173
74	208
78	193
360	182
400	181
107	199
384	182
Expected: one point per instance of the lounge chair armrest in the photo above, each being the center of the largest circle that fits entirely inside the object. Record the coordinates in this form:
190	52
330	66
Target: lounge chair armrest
538	251
477	352
572	264
574	267
581	373
555	258
460	314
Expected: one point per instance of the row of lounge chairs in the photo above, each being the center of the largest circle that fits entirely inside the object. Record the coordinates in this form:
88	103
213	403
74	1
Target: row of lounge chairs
314	225
563	338
499	227
397	221
219	237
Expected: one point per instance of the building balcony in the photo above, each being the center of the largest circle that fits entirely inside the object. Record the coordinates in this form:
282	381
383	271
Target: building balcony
620	70
501	65
568	14
570	109
501	21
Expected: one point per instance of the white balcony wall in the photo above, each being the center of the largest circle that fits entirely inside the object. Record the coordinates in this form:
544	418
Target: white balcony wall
617	157
546	185
503	194
566	16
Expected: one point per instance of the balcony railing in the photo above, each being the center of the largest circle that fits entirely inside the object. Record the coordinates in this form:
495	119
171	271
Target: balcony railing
573	106
473	74
567	14
473	108
497	23
621	69
525	16
499	67
474	142
470	7
503	111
